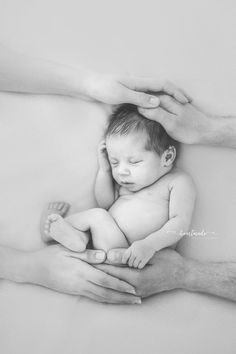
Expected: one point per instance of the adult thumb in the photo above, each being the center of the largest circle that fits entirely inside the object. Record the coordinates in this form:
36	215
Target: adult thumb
141	99
90	256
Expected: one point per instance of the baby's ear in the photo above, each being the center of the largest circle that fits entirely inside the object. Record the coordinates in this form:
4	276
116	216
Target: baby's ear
168	156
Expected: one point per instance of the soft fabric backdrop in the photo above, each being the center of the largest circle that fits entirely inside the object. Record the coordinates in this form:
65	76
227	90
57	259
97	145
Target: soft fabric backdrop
48	152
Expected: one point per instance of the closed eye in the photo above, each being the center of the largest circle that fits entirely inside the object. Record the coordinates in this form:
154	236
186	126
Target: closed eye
135	162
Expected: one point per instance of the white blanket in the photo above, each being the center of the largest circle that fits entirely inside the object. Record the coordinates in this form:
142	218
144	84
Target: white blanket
48	152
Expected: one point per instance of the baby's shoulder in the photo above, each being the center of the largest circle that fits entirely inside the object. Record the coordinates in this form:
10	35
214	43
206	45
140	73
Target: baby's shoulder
181	179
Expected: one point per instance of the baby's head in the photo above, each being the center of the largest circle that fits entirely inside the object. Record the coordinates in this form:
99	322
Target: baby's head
139	150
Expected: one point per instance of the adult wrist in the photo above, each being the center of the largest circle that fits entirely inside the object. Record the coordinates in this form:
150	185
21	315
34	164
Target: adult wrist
180	272
191	280
217	131
15	265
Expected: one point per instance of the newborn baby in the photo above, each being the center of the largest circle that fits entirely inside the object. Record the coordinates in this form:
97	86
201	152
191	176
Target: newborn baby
145	202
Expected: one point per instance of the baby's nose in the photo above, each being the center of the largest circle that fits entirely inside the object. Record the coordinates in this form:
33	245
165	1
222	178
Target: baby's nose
123	171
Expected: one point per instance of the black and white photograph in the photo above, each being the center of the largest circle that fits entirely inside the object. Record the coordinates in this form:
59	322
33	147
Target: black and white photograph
118	177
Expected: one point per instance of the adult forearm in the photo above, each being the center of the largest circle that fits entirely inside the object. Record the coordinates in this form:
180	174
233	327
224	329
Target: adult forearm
221	132
215	278
14	264
20	73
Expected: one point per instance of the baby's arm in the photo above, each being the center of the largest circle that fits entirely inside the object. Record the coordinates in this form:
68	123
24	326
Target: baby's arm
181	205
104	184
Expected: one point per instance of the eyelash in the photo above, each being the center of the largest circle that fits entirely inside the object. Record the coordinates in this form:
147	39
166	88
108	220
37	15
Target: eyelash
132	163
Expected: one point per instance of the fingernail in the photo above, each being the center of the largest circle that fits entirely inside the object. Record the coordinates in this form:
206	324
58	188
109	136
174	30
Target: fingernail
131	291
99	255
154	101
138	301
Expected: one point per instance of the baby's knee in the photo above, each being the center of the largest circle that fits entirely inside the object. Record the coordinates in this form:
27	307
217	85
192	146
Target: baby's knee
100	214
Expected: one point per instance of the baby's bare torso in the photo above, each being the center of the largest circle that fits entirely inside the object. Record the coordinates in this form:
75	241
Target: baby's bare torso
140	213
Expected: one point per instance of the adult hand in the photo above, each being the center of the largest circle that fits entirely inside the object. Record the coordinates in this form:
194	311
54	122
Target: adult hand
185	123
34	75
115	90
164	272
69	272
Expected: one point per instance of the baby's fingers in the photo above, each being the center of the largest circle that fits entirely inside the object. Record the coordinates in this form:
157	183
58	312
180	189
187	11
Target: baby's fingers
126	256
102	145
131	260
142	263
136	262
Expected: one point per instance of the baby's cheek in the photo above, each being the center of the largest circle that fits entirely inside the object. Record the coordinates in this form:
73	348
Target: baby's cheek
144	176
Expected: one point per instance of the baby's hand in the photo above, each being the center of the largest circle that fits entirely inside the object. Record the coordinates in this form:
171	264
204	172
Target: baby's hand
103	161
138	254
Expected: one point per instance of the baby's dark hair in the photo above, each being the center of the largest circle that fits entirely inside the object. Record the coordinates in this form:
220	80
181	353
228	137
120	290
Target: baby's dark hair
126	119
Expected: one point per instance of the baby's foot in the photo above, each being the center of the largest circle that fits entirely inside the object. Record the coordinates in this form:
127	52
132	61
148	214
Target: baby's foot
64	233
60	208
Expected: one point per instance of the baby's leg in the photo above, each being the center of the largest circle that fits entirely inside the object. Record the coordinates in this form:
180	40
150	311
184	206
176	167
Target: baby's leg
104	230
64	233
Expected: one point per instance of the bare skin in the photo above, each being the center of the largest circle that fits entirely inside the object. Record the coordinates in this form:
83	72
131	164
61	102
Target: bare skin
60	208
43	77
191	125
145	220
74	230
75	241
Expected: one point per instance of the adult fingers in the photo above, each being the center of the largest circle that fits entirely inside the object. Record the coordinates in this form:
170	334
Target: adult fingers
157	114
111	296
170	104
140	99
177	93
117	255
156	85
89	256
105	280
127	274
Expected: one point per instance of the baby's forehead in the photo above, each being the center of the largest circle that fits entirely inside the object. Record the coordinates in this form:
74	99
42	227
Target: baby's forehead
132	143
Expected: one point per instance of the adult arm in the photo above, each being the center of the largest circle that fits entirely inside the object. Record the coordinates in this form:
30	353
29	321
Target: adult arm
21	73
59	269
190	125
168	270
